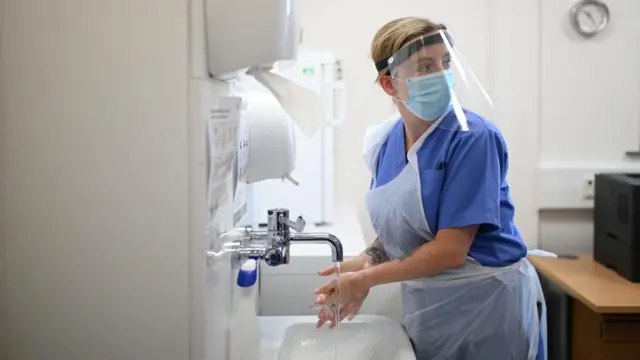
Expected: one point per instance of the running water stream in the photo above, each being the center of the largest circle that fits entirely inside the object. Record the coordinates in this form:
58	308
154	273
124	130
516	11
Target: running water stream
336	314
331	309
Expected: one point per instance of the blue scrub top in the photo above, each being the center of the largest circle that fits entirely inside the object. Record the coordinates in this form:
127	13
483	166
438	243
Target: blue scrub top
463	183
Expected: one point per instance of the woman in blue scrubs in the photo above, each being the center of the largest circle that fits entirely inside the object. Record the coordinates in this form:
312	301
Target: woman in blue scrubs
440	205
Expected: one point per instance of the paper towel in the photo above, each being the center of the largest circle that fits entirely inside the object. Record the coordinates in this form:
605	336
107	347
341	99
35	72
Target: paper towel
304	106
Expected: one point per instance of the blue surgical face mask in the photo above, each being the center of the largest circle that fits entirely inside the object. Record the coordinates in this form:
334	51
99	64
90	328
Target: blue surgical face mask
430	95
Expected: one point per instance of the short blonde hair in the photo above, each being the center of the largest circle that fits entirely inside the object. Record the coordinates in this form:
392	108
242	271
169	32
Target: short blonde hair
396	34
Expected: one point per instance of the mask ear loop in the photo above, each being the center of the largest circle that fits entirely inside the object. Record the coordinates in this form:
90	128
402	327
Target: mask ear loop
395	96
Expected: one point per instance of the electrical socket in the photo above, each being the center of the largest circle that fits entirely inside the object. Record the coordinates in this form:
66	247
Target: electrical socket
588	188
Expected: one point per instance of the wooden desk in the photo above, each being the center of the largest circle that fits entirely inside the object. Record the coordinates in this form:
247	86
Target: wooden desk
605	308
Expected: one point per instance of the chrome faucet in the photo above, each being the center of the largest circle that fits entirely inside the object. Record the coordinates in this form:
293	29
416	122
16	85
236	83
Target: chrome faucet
273	245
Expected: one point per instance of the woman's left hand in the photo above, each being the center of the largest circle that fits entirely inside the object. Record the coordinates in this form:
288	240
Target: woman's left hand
352	291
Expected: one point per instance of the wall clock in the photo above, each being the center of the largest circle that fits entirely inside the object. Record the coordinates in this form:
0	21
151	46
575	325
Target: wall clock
589	17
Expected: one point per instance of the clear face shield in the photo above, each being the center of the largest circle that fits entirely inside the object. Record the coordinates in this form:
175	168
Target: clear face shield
432	79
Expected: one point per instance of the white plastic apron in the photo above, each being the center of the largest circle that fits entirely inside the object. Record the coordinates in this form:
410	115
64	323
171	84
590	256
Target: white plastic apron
470	313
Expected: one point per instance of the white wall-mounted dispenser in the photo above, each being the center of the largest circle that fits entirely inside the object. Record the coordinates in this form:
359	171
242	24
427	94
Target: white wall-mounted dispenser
270	138
252	36
245	33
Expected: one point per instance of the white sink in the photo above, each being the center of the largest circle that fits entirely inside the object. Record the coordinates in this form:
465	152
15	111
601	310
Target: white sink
367	337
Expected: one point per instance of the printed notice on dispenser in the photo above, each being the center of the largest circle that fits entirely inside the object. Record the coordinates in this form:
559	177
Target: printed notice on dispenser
223	118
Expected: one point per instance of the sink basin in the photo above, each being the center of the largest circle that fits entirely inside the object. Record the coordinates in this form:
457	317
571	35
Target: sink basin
367	337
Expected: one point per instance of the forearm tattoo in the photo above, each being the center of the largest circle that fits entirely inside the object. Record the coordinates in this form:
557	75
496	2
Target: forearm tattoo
377	253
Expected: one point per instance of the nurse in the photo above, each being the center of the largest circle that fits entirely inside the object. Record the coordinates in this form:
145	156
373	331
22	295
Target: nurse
440	205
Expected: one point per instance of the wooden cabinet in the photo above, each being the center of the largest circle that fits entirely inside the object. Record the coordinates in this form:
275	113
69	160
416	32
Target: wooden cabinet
599	336
604	311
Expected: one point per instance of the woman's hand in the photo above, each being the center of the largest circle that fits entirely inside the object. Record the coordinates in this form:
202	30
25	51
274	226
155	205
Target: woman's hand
330	308
343	296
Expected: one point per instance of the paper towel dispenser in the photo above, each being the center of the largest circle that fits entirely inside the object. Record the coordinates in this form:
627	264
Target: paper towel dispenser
270	138
244	33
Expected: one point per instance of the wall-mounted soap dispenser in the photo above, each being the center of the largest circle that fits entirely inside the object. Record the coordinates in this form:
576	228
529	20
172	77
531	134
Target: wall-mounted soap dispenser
245	33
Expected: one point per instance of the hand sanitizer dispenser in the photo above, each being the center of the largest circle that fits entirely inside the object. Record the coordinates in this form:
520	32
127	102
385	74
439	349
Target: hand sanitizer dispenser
245	33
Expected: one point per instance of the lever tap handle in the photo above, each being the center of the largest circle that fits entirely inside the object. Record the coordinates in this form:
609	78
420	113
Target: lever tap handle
297	225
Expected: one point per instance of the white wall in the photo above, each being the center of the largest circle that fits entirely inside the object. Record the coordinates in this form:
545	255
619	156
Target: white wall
568	107
590	107
95	178
3	212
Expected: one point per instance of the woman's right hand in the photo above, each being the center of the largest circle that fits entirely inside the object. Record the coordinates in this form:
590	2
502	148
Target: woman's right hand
341	298
327	313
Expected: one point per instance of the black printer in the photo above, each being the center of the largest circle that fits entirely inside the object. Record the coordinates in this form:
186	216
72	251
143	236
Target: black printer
616	223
